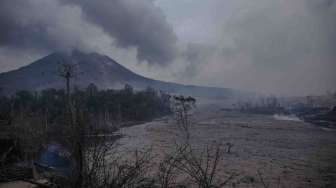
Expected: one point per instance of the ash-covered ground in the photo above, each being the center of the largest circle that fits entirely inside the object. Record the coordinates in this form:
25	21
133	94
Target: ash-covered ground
285	153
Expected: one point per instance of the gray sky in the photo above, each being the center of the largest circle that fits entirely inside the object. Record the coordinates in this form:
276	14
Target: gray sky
285	47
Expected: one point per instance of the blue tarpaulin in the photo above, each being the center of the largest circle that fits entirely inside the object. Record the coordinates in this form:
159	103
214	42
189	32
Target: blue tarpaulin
55	158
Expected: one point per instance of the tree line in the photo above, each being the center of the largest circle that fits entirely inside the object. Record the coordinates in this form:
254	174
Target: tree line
110	105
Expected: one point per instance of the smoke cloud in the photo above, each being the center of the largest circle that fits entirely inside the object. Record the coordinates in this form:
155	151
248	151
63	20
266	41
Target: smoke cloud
281	47
51	25
284	47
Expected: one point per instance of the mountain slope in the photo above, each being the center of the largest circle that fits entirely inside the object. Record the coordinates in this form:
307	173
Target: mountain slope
94	68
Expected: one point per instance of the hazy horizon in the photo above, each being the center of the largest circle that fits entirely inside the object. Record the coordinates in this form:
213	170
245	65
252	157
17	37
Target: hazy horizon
274	47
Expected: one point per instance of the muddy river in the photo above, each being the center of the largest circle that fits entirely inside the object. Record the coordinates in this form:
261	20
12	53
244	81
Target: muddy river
285	151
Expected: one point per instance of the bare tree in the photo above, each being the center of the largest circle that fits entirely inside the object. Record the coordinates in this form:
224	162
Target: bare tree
68	71
201	167
181	108
30	133
75	131
167	170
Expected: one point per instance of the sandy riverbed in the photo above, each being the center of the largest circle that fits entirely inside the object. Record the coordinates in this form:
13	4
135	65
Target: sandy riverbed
296	153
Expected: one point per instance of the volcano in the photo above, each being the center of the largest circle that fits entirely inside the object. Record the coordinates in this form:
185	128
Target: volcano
98	69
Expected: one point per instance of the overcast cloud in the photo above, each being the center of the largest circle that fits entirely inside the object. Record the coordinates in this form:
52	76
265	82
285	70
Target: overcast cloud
282	47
